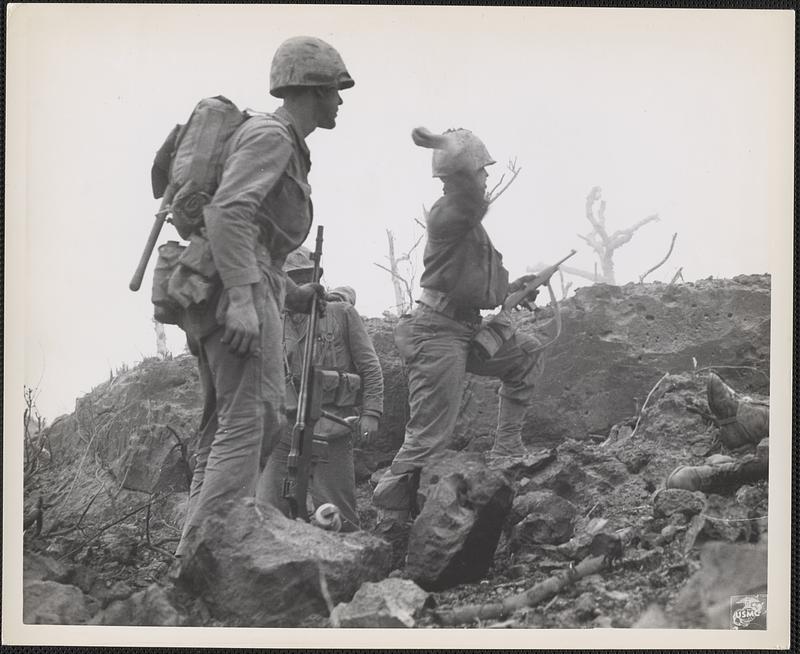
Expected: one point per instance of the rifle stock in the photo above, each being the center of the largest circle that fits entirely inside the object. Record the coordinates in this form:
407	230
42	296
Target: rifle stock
295	485
542	278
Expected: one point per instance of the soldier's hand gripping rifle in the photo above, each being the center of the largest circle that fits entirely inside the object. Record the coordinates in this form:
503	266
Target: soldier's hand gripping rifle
540	279
498	329
309	409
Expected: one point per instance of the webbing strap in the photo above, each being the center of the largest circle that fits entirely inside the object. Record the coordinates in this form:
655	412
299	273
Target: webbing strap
556	318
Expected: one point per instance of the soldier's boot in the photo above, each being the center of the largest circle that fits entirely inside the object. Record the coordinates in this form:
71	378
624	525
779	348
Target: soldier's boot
508	438
398	491
718	478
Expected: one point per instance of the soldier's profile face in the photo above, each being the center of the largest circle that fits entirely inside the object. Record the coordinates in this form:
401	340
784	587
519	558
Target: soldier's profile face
328	101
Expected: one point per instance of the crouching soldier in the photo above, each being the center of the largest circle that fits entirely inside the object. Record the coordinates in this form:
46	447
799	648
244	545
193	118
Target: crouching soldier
344	346
463	273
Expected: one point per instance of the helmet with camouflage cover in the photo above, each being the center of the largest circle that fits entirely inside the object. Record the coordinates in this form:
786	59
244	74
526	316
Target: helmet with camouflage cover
307	61
457	150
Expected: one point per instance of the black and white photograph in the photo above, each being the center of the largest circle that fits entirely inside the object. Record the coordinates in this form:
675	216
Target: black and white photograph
467	322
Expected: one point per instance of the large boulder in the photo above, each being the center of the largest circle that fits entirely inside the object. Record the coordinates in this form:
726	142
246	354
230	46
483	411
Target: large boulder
386	604
454	537
255	567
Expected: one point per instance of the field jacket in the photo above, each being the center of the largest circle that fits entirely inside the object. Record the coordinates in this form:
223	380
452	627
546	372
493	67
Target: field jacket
460	259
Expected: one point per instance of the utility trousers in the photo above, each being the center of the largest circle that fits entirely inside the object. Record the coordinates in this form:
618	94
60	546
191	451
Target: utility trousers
243	407
437	355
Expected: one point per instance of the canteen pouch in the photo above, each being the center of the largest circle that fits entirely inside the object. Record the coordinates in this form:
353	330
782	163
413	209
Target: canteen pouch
165	309
195	280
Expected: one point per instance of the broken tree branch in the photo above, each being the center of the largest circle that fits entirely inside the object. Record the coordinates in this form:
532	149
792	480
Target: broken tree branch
622	236
538	593
646	400
494	193
678	275
102	529
663	261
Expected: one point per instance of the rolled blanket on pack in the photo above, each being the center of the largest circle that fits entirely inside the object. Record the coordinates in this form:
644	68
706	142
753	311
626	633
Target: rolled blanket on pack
742	420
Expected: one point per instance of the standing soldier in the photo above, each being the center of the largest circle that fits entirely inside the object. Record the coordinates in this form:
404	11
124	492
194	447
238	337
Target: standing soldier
343	346
260	212
463	274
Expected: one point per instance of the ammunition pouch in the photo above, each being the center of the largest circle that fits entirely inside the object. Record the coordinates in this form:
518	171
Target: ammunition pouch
184	277
195	279
340	389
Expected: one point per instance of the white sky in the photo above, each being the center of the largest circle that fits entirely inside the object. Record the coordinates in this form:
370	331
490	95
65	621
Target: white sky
683	113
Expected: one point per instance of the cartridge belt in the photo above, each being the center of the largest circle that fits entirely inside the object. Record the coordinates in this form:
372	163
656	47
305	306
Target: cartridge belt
441	303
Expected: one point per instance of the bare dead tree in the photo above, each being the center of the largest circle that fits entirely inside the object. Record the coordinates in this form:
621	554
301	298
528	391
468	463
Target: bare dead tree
161	340
403	283
564	287
34	443
603	244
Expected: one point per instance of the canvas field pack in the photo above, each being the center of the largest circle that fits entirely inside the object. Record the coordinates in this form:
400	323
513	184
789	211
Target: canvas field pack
185	174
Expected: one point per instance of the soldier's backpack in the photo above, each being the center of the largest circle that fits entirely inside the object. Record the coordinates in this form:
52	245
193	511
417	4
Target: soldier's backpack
185	173
188	165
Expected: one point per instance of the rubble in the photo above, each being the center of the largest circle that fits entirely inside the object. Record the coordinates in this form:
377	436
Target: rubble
149	607
385	604
669	501
48	602
542	517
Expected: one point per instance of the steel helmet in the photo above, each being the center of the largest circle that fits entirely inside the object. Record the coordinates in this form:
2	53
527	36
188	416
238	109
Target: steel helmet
307	61
457	150
344	293
299	259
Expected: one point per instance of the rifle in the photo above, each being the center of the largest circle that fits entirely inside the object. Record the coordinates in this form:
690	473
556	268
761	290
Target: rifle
541	278
498	329
309	409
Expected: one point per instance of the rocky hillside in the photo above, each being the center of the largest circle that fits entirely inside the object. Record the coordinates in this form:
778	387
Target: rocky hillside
621	403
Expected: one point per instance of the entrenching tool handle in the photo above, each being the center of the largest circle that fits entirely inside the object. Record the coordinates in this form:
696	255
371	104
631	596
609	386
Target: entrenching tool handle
158	223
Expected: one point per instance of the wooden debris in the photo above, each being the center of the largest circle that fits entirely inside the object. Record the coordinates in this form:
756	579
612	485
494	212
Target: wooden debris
537	594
